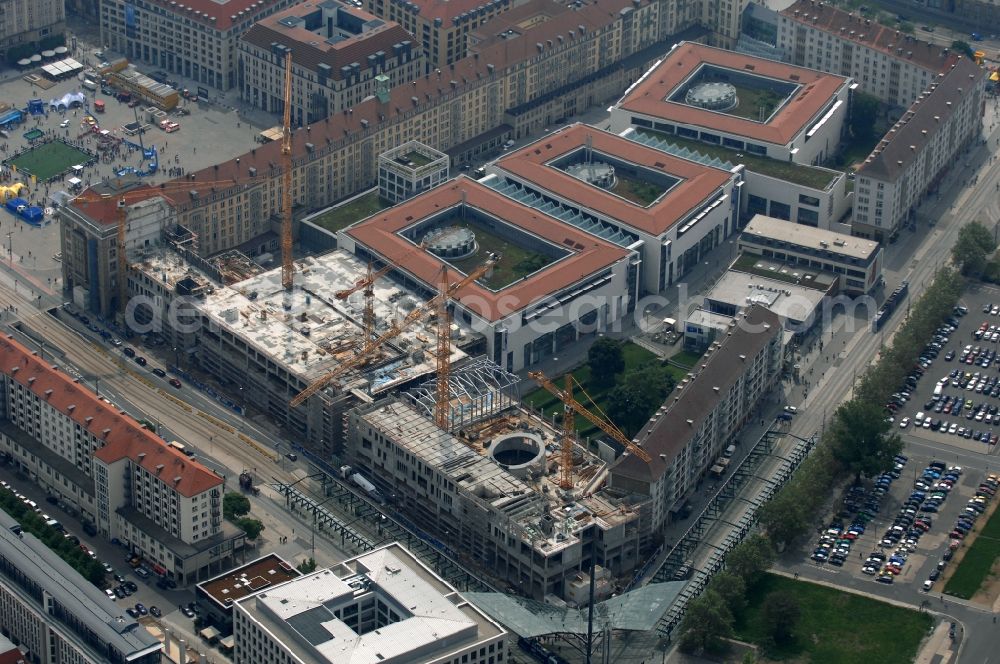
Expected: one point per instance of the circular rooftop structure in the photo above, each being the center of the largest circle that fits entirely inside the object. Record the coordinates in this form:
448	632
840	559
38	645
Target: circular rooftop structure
712	96
451	242
596	173
520	453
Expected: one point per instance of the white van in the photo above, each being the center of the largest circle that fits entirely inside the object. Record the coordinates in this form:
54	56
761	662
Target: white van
730	451
89	84
937	389
919	417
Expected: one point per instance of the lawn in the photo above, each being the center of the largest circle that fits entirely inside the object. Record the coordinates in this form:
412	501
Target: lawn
636	357
977	561
342	216
635	190
515	261
836	627
807	176
756	104
49	159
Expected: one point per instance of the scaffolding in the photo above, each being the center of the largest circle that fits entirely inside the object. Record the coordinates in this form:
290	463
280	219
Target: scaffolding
478	391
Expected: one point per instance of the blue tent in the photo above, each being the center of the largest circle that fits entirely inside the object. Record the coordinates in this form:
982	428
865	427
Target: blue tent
15	203
36	107
33	215
13	116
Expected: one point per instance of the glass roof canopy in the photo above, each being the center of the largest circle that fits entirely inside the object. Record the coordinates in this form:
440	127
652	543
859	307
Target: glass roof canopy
638	610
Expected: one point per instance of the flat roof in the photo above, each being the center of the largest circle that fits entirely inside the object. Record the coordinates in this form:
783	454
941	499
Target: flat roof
85	602
265	572
310	332
434	620
742	290
709	319
650	94
585	254
699	184
762	226
854	27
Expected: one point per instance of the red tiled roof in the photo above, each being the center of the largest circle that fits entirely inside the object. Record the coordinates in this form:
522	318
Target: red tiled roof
588	254
222	11
700	182
841	24
649	96
449	9
102	208
310	49
122	435
487	63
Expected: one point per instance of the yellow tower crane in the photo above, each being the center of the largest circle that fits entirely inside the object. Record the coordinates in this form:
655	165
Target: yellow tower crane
600	420
286	180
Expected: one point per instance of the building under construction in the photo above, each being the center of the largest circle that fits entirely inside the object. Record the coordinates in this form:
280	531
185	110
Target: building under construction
491	492
266	344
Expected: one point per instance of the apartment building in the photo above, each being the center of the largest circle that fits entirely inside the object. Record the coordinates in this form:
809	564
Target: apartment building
340	55
58	617
165	507
442	27
513	87
889	64
24	24
89	239
856	261
196	39
382	606
703	416
910	160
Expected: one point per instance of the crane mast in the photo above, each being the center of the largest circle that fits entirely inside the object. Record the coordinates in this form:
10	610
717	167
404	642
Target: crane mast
122	263
286	180
442	391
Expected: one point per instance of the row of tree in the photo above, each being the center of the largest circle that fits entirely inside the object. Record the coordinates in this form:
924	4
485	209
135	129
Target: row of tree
972	249
859	440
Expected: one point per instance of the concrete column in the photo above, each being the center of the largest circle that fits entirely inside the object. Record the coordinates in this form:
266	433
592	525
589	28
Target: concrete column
182	656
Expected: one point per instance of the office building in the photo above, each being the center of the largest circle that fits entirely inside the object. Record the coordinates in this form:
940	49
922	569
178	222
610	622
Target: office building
217	595
566	284
673	211
195	39
894	66
340	55
164	507
411	168
26	24
798	306
702	417
910	160
382	606
758	106
857	261
56	615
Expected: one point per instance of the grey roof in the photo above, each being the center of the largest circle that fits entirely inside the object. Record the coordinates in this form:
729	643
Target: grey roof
639	610
665	438
894	153
80	598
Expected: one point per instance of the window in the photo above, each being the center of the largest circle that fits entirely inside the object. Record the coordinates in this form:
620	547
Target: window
808	200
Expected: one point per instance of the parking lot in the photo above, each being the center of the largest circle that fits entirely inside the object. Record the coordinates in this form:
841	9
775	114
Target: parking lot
957	401
885	532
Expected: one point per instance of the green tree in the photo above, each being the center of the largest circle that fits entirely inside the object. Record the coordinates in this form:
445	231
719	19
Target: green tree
252	527
655	378
975	242
630	405
864	116
780	613
235	505
307	566
606	360
784	517
731	588
861	440
963	48
707	622
93	571
751	557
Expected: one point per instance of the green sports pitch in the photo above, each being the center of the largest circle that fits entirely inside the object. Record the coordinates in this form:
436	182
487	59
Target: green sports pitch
48	159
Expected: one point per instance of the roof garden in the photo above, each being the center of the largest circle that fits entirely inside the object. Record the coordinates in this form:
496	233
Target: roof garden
476	236
807	176
792	274
341	216
738	93
636	184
